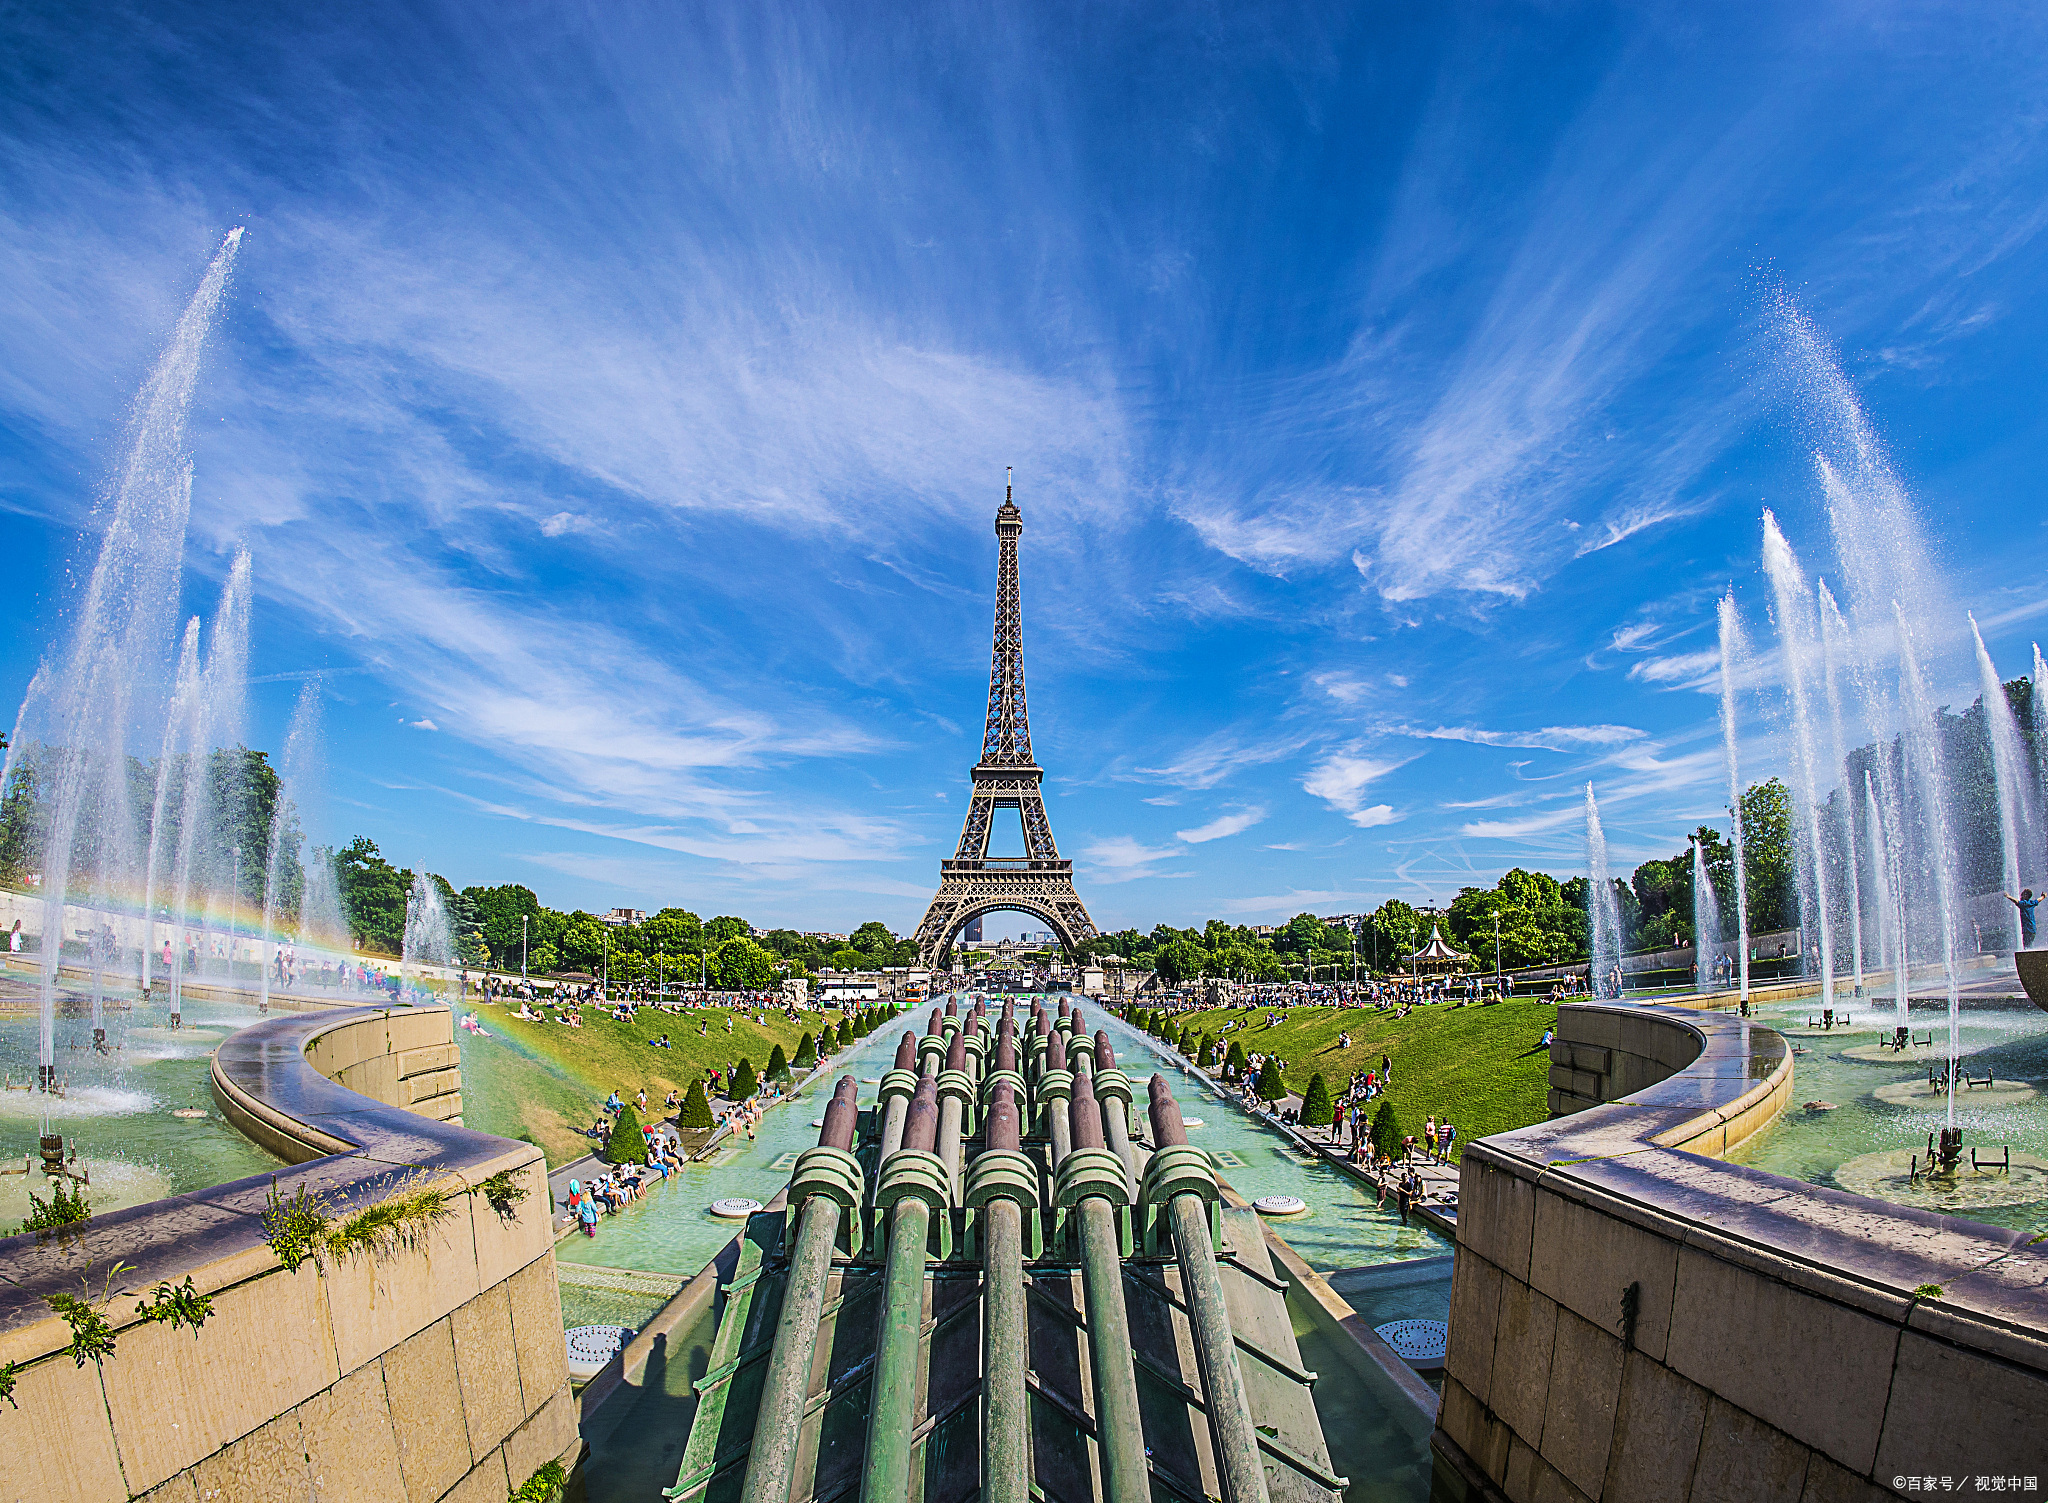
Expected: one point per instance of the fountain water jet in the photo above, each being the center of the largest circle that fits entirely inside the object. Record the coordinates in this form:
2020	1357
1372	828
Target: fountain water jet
1834	641
301	756
1923	747
1605	912
2017	830
1731	646
1884	861
123	619
1796	642
1706	910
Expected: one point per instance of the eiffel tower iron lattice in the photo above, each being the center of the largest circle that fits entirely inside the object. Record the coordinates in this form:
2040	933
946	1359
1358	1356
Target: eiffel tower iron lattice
971	882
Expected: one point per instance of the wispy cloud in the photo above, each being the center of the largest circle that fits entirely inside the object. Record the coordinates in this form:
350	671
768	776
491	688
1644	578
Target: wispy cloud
1122	858
1224	824
1341	779
1545	738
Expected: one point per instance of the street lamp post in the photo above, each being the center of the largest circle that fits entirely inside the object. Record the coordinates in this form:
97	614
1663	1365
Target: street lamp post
522	951
604	968
1496	950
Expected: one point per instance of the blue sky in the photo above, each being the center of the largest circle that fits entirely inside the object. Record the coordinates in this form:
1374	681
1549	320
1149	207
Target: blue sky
615	402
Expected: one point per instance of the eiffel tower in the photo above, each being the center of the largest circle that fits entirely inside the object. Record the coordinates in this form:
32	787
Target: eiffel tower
1039	882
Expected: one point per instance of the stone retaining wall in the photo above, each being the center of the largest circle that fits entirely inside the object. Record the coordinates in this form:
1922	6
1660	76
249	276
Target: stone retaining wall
430	1371
1633	1319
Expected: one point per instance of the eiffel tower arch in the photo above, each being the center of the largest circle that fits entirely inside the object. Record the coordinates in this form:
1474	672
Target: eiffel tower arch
971	882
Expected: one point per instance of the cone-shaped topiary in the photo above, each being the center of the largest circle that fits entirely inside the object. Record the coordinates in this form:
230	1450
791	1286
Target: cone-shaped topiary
806	1053
778	1064
1207	1058
1235	1060
846	1033
1316	1107
744	1085
696	1110
1271	1087
1386	1130
626	1145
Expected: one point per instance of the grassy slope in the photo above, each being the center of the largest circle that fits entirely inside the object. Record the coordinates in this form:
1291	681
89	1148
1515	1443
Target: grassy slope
1480	1064
606	1055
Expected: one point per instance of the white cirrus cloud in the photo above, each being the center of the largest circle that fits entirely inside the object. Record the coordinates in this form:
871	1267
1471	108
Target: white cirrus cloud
1341	779
1224	824
423	725
1122	858
564	522
1677	668
1544	738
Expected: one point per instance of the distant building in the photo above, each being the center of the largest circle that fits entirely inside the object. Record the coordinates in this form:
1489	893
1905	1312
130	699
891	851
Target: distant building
619	918
837	939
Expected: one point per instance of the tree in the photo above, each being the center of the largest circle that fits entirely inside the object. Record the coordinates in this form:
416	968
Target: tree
1180	960
627	1144
1316	1107
742	965
1393	932
778	1064
873	938
582	942
1271	1087
674	931
696	1112
1386	1130
846	958
1207	1058
744	1086
1235	1062
806	1053
500	909
1772	865
726	927
846	1033
373	894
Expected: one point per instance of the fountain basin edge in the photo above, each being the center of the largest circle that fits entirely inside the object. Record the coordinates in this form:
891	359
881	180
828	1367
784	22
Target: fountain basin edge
360	1360
1615	1275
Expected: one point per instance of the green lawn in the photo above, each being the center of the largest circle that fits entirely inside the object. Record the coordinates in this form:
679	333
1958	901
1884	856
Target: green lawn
1482	1065
606	1055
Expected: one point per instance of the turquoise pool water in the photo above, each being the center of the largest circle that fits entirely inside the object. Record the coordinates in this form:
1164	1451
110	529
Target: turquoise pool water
1876	1114
117	1107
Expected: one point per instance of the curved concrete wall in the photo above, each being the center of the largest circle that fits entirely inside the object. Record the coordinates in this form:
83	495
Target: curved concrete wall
1633	1319
433	1371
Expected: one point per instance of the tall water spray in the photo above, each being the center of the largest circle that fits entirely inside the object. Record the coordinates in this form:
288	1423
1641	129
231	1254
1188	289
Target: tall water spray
1834	653
429	936
184	696
2018	827
1731	648
214	720
123	620
1884	863
1797	644
1605	912
1925	767
1706	916
296	775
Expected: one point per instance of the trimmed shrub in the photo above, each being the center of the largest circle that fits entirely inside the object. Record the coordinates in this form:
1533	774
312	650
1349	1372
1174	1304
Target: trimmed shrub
1316	1107
1386	1129
626	1145
778	1064
744	1085
1207	1058
1235	1060
1271	1087
696	1110
806	1053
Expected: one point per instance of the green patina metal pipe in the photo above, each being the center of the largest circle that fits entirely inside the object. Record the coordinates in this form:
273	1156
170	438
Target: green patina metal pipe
885	1475
951	1104
786	1388
1059	1123
1120	1427
1230	1414
892	1409
1005	1439
898	1100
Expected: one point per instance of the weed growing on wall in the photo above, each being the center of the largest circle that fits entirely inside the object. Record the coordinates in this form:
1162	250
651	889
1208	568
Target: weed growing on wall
176	1305
401	1220
544	1486
63	1209
503	1192
296	1227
